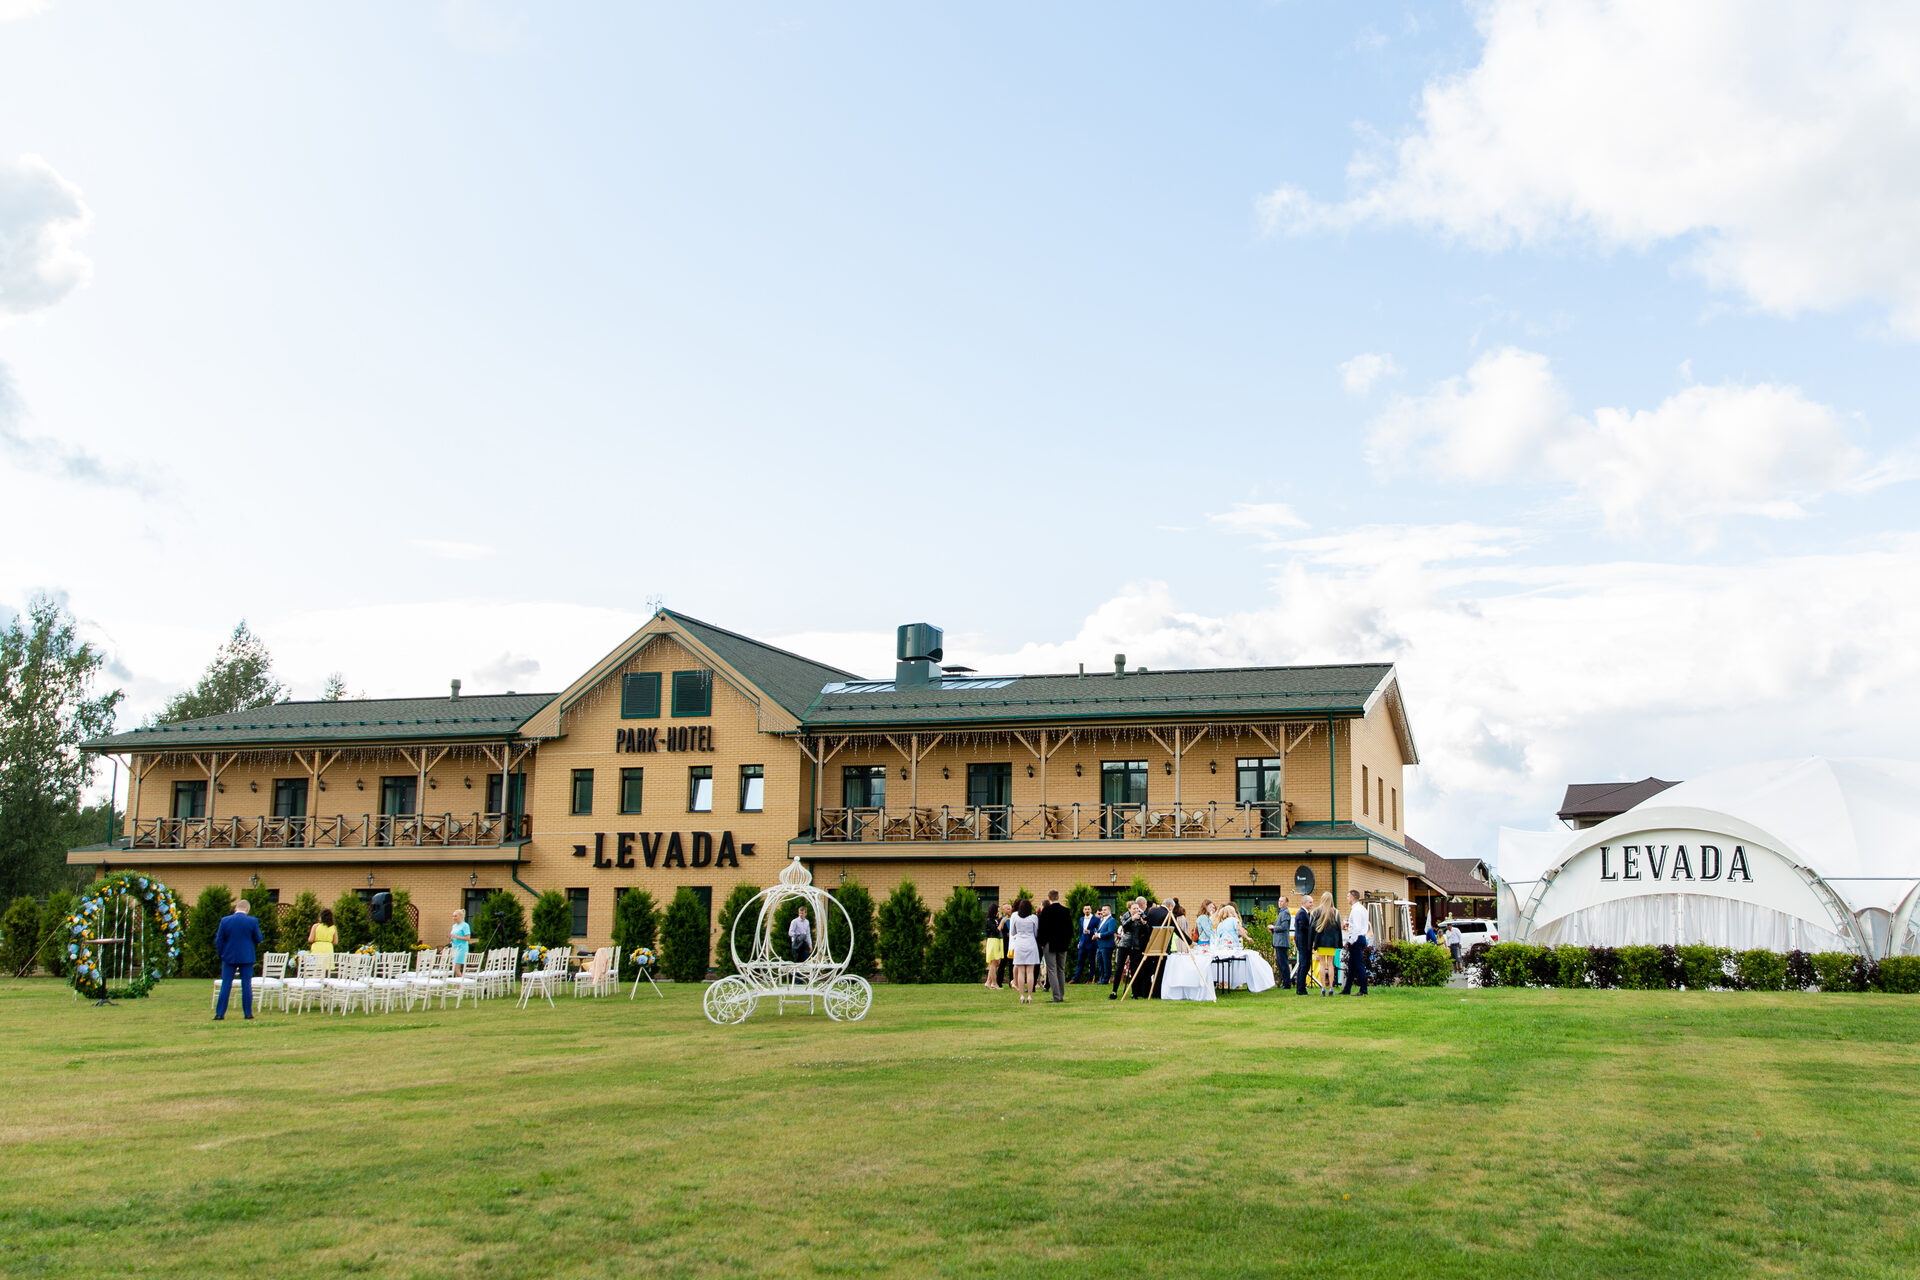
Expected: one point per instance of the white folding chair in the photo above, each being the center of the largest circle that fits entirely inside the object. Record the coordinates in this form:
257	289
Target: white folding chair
388	980
592	979
349	984
542	981
308	985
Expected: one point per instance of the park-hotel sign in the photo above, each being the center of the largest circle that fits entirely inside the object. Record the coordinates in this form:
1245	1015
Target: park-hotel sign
679	737
667	849
1673	862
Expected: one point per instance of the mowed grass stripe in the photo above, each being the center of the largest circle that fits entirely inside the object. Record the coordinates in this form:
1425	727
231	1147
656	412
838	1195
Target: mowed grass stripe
954	1133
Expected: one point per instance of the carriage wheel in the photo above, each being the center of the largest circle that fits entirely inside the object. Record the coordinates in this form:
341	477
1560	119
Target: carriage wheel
728	1001
847	999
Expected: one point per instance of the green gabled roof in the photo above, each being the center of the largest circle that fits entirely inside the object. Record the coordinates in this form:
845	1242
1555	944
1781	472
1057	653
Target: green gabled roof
1208	694
480	716
787	678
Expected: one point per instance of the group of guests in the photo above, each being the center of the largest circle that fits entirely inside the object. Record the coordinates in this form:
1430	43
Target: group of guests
1106	945
1030	941
1307	938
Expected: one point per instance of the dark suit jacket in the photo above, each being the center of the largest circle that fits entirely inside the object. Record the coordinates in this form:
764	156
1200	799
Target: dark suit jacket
237	939
1303	931
1156	915
1056	927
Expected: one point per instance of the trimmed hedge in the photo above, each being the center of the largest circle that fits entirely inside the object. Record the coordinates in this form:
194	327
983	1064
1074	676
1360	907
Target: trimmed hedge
1695	967
905	922
865	952
19	937
552	924
1761	970
685	944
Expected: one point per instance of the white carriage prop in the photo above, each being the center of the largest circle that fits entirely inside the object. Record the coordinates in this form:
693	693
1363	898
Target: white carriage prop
762	974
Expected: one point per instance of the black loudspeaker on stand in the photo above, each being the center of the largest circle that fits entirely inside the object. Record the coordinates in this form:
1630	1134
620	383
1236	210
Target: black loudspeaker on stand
381	908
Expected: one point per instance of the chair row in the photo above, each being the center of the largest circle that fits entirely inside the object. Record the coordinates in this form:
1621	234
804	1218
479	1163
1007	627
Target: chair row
345	982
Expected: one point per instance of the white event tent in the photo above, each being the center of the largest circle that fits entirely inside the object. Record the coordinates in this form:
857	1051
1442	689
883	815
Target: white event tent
1813	854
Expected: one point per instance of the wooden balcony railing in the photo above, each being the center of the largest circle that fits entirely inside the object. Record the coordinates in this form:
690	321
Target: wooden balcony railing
1209	821
338	831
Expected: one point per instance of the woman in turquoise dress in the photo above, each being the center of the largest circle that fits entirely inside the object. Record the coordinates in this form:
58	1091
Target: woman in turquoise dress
462	933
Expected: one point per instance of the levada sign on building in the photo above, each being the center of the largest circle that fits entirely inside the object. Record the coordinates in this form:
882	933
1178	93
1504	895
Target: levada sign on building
1671	862
667	849
1679	884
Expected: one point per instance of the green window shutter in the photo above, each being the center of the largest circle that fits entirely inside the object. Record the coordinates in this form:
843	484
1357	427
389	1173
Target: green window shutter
583	791
640	695
692	693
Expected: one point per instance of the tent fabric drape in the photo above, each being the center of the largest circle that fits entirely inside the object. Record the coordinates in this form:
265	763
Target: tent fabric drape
1680	918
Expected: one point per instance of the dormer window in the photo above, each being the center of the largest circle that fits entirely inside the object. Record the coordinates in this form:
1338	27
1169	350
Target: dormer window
692	693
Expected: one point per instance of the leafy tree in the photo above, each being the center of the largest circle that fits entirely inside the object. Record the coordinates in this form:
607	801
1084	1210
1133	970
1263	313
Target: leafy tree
1140	889
502	922
636	922
723	929
684	944
903	934
19	937
47	709
859	905
351	919
552	920
198	959
335	690
398	933
239	678
956	955
53	932
301	917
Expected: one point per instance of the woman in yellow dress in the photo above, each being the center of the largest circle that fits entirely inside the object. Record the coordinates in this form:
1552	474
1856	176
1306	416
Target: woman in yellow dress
322	936
996	946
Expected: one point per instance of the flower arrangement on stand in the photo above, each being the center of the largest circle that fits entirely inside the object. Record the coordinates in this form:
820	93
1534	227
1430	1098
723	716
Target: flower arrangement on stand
366	949
83	931
642	959
536	957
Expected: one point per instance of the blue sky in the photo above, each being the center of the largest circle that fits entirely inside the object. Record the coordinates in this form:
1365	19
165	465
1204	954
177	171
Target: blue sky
1561	353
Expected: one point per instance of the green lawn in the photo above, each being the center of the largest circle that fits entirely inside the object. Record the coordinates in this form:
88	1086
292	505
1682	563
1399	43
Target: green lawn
953	1133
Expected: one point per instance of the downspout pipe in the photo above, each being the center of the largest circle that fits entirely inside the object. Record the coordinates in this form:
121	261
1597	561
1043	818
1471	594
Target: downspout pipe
1333	813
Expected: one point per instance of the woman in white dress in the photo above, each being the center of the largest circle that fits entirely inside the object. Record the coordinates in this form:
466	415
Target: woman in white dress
1023	940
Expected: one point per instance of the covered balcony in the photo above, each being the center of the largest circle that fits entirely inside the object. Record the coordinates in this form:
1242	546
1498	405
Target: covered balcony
1211	820
334	831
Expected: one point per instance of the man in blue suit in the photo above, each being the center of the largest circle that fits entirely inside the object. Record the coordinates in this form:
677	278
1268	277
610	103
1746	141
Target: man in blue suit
236	941
1104	928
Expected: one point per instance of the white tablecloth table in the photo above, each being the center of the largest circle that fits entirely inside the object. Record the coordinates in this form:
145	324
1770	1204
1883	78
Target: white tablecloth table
1187	979
1191	976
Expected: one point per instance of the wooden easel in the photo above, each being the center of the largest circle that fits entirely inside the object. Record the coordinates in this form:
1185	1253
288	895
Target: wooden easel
1159	943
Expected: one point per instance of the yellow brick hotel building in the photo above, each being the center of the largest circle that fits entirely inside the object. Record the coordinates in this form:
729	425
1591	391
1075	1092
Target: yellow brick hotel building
691	755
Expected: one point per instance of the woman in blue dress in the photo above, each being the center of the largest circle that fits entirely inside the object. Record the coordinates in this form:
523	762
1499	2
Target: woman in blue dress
462	934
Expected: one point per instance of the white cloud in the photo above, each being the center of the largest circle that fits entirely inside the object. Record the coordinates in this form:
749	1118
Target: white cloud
1777	142
1522	678
12	10
1360	373
1484	426
1703	454
452	550
40	214
1258	518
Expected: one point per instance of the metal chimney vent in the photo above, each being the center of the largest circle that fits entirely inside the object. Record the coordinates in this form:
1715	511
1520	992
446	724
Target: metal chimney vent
455	695
1119	666
917	646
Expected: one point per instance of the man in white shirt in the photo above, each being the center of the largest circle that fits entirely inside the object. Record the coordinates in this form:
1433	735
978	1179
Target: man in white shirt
1354	933
1453	943
800	935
